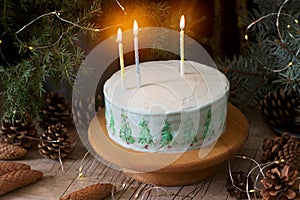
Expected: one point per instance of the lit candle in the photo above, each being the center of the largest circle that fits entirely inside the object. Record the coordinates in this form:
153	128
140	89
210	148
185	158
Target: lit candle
119	40
181	25
136	51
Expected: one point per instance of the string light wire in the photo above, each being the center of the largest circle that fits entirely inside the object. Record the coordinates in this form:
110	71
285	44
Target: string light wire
59	158
277	19
157	188
80	170
57	15
248	175
122	7
261	168
278	14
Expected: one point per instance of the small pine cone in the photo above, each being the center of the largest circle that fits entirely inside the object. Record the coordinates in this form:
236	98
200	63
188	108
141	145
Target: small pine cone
92	192
6	167
279	108
280	184
55	111
18	131
291	153
285	148
84	110
236	188
54	142
16	179
10	151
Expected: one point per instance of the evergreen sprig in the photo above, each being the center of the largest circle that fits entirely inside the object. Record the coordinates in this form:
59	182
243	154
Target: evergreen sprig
21	91
270	58
57	60
246	80
48	47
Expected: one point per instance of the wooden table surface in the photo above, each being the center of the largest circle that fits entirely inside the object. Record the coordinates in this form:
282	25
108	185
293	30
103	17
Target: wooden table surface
57	182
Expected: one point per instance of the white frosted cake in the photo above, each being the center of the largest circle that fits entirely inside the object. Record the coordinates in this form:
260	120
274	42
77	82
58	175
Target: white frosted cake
166	112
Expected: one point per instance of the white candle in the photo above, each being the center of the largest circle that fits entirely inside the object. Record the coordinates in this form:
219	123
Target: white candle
136	51
181	25
119	40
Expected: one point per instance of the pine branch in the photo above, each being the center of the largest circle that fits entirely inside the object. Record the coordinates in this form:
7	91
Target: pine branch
271	59
48	49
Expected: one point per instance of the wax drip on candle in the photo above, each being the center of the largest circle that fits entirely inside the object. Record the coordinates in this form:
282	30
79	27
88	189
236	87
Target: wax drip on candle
181	25
136	52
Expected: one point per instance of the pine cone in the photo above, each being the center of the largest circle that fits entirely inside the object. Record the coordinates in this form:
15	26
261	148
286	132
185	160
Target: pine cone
54	142
236	188
280	184
10	151
84	110
6	167
279	108
92	192
16	179
18	131
55	111
285	148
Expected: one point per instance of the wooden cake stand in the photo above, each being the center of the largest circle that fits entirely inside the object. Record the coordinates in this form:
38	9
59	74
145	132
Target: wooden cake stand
183	168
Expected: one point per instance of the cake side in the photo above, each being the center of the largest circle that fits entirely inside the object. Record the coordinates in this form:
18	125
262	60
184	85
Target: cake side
167	112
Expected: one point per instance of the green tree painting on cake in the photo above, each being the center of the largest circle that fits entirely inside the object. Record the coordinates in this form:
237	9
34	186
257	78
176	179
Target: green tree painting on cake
189	133
166	134
125	130
112	123
145	136
208	129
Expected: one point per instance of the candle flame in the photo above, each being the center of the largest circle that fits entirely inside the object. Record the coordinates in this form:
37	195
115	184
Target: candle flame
119	36
135	28
182	22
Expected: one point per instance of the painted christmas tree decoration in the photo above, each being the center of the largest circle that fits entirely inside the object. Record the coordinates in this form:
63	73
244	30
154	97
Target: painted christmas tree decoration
145	135
112	123
190	133
166	134
207	125
125	130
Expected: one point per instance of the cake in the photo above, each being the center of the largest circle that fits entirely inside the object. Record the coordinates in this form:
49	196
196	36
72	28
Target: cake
166	112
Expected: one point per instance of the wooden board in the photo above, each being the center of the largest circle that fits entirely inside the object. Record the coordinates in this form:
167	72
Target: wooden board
171	169
57	183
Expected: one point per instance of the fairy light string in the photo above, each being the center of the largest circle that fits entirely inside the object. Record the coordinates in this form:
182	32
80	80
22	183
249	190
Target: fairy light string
279	32
277	19
80	170
267	16
261	167
49	141
122	7
57	14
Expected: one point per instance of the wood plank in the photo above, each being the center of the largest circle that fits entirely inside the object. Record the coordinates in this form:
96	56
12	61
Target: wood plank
57	183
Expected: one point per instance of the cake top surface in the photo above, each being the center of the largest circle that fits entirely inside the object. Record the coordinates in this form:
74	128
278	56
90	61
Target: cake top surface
163	89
